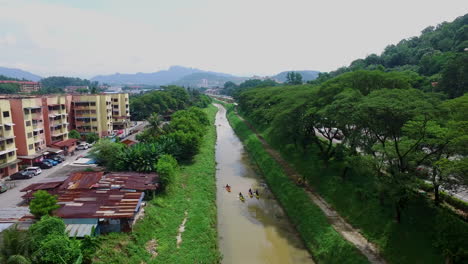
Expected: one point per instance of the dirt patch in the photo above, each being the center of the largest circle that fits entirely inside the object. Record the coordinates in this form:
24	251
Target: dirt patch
152	246
181	230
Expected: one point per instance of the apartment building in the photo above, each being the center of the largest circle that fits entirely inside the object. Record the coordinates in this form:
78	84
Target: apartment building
27	115
8	159
25	86
120	111
55	118
92	113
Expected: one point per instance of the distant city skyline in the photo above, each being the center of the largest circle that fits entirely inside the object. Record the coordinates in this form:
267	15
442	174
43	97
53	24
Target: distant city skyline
240	37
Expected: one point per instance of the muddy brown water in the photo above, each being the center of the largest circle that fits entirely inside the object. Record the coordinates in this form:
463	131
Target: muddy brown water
257	230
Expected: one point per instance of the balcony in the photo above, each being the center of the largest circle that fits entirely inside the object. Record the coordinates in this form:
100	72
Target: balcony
58	132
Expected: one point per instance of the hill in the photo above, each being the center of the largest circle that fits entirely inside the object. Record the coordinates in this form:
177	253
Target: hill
19	74
207	79
306	75
438	55
164	77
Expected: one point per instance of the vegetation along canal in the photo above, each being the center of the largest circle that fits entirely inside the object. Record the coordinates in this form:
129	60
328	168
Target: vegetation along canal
256	230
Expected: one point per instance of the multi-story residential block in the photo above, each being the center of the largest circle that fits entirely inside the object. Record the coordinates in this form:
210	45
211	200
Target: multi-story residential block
92	113
8	159
28	118
26	86
120	111
56	122
55	119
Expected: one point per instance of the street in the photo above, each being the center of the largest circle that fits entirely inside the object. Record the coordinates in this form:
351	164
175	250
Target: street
12	197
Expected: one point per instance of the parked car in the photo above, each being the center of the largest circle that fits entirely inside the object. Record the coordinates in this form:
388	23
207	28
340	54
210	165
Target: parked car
3	188
21	175
53	162
57	159
35	170
60	157
42	165
82	146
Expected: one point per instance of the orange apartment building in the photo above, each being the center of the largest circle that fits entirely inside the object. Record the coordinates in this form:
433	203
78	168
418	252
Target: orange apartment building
56	122
27	115
32	127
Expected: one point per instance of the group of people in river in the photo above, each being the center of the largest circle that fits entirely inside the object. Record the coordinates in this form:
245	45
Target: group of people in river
241	197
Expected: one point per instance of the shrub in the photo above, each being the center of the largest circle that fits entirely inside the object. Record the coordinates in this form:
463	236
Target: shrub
166	167
43	204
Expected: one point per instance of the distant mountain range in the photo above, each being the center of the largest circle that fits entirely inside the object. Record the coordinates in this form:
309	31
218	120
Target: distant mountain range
174	75
19	74
177	75
190	77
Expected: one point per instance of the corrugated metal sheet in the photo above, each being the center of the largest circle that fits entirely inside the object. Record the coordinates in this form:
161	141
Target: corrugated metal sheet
80	230
4	226
98	204
130	181
42	186
82	180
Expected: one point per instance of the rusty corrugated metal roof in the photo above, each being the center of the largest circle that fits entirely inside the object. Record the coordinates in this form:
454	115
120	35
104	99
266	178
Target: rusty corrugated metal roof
82	180
129	180
98	204
42	186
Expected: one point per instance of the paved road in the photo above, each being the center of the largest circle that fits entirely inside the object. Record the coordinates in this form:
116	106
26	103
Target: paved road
12	197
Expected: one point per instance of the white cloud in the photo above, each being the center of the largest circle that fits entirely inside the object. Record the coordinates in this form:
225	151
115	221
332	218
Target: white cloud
236	36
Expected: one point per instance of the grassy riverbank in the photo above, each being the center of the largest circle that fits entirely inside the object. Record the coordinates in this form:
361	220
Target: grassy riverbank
192	195
426	234
326	245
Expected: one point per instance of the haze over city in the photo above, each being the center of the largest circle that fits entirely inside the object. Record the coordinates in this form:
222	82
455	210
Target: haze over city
87	38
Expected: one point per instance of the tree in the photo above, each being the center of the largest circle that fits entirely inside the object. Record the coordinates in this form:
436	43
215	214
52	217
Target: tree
454	81
74	134
384	113
57	249
43	204
51	244
293	78
14	246
109	154
18	259
91	137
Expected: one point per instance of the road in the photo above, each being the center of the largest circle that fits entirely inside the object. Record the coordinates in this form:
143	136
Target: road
12	197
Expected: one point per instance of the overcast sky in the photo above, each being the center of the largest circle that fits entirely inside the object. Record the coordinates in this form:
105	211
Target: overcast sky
243	37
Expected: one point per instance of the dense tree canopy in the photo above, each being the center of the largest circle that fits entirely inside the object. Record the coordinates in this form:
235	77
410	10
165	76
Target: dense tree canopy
165	102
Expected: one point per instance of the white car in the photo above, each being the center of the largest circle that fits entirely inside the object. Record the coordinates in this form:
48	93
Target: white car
83	146
35	170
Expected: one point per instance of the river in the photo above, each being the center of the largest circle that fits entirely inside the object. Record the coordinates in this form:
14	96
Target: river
257	230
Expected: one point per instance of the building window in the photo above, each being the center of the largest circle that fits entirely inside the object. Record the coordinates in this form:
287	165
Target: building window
28	123
92	104
31	146
7	128
9	141
10	154
13	166
30	135
6	113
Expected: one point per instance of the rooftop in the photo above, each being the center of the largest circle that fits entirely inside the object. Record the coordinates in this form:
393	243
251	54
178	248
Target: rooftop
99	204
66	143
130	181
